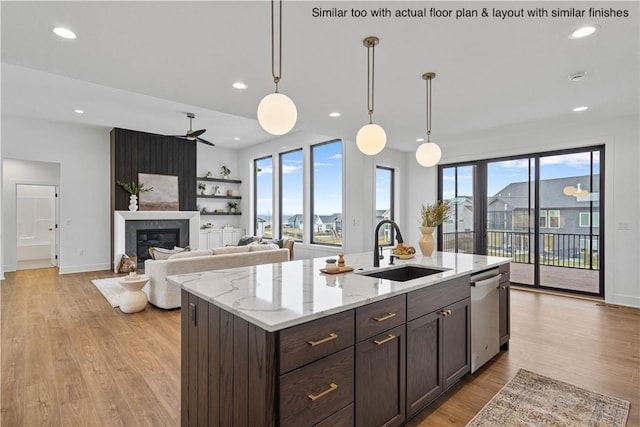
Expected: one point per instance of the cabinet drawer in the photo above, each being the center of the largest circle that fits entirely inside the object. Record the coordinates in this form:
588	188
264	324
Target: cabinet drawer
375	318
343	418
309	394
431	298
310	341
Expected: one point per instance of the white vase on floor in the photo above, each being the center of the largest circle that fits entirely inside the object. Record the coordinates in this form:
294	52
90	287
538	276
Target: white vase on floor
133	203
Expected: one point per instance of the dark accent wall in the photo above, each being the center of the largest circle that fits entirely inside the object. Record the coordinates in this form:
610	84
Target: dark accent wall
134	152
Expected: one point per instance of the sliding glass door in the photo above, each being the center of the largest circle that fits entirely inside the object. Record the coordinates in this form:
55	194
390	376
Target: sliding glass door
542	210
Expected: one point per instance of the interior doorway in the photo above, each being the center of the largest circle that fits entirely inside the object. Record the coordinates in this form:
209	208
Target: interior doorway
37	236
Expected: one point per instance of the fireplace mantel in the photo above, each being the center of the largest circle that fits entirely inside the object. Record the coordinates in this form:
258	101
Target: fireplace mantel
121	217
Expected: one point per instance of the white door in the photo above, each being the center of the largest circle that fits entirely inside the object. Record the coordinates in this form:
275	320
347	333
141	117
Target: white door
36	226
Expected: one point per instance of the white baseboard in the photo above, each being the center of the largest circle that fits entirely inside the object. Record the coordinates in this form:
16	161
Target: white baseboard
84	268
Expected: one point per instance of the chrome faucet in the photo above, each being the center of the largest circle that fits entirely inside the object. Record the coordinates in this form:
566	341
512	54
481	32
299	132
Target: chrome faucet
376	245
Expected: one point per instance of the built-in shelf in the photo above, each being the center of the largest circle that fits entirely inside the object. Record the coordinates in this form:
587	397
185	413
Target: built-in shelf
229	181
211	196
220	213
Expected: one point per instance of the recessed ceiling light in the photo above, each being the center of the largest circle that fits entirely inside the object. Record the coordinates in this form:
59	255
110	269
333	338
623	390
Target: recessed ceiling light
334	114
65	33
240	85
419	139
576	77
585	31
583	108
78	111
236	139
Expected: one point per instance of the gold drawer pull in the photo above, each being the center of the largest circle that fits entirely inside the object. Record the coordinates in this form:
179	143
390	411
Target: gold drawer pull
332	387
385	317
332	336
446	313
387	339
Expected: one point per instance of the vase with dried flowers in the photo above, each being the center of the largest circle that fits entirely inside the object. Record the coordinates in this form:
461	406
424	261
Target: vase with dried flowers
133	189
432	216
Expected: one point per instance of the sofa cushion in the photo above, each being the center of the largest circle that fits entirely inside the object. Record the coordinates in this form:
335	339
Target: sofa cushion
189	254
245	240
162	253
262	247
230	250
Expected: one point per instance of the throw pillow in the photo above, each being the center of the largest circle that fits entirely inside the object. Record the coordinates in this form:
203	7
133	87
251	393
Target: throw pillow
263	247
279	242
162	253
245	240
230	250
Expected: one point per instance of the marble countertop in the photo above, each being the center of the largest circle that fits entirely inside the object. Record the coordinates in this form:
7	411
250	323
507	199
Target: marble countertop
277	296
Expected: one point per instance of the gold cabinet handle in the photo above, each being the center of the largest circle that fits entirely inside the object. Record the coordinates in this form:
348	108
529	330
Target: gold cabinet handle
332	336
332	387
385	317
445	313
387	339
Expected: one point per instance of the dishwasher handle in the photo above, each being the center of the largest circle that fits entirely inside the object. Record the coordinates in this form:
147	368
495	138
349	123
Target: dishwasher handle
484	276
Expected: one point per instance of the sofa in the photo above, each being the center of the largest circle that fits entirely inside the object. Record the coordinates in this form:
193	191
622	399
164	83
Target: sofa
165	295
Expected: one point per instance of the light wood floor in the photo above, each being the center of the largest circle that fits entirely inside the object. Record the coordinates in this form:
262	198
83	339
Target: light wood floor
69	359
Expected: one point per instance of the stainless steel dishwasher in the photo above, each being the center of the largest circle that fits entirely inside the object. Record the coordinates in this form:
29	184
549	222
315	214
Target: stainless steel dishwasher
485	317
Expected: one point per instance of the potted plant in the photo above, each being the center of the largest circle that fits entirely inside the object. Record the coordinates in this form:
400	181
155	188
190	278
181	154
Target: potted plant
202	186
432	216
225	171
132	271
133	189
233	207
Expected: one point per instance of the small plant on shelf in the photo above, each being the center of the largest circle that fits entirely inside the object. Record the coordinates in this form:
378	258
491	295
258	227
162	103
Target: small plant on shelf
233	207
202	186
225	171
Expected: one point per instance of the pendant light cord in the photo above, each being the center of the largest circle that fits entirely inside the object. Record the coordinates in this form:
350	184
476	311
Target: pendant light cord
371	68
429	77
278	76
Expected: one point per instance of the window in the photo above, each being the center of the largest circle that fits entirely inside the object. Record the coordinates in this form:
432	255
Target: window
263	196
291	201
554	218
543	219
326	193
384	204
585	218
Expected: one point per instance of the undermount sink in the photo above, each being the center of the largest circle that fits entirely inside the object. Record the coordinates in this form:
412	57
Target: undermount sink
404	273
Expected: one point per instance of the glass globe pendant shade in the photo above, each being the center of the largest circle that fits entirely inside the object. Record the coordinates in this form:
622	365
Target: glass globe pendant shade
277	114
371	139
428	154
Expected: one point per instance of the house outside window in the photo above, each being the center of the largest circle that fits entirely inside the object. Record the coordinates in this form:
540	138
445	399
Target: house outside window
585	219
263	196
326	193
291	195
554	218
543	218
384	203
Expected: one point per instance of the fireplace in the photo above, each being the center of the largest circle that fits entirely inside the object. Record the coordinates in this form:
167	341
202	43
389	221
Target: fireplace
127	224
163	238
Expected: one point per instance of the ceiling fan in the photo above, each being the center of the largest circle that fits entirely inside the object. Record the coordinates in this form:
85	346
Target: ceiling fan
194	135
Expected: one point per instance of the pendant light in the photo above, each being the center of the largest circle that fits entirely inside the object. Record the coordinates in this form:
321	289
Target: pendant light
428	154
277	114
371	138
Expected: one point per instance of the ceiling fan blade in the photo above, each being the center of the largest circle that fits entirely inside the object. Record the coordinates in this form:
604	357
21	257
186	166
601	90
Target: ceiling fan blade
204	141
197	133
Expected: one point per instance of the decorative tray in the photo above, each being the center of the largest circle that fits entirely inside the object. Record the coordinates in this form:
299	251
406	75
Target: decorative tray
339	270
403	256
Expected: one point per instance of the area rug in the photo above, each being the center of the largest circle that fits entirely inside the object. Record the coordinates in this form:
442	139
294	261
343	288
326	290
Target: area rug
111	289
530	399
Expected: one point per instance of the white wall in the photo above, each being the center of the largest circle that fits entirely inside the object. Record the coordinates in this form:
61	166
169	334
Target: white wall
82	155
622	185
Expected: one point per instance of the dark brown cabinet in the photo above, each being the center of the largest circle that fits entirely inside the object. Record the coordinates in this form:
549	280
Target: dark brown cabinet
504	295
380	379
438	340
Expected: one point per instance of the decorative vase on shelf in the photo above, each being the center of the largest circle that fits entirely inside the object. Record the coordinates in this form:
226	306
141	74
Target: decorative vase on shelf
427	242
133	203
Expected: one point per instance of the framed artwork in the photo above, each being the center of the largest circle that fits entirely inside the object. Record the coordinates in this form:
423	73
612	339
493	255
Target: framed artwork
163	197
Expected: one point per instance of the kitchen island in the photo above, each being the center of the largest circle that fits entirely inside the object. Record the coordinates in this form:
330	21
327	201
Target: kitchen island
285	344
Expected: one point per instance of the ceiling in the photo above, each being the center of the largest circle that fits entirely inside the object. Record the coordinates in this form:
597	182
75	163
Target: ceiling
142	65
